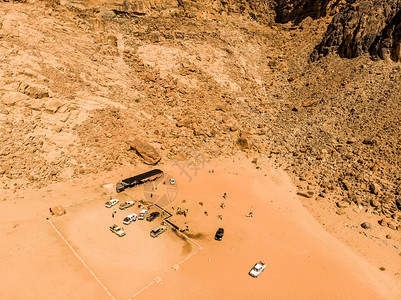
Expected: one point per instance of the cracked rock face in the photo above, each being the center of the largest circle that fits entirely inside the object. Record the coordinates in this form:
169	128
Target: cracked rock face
297	10
364	27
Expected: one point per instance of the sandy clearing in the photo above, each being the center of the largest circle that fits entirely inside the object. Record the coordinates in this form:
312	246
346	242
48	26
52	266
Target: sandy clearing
124	264
303	260
36	264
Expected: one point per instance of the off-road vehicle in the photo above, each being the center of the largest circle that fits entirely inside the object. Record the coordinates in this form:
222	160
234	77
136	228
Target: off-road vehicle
152	216
142	214
126	204
219	234
130	218
158	230
258	268
117	230
111	203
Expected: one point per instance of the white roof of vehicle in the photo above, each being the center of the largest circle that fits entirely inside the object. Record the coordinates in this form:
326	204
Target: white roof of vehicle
254	272
143	211
131	215
158	227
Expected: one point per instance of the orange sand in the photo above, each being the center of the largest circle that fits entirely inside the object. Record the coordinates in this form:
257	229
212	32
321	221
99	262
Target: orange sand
303	260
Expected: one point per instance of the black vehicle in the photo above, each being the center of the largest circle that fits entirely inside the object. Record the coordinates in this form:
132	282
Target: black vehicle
219	234
152	216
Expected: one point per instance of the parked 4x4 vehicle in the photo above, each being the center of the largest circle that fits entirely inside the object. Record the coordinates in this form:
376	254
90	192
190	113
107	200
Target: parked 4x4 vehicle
117	230
219	234
126	204
158	230
142	214
130	218
257	269
111	202
152	216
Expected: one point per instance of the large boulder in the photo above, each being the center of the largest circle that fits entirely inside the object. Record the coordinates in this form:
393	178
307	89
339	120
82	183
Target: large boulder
185	122
374	188
366	225
145	151
13	98
52	105
33	90
364	26
243	143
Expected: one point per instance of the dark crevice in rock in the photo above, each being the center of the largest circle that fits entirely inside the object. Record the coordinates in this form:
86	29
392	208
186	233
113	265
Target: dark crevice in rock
387	45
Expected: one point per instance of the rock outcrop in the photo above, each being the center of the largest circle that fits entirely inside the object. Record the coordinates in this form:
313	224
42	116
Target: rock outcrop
145	151
364	26
33	90
297	10
13	98
259	10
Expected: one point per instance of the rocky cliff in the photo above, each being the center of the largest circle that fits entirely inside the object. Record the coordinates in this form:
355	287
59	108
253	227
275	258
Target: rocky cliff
297	10
260	10
364	26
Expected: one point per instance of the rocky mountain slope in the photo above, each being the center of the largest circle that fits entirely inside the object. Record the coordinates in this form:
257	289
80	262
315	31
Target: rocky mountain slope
88	86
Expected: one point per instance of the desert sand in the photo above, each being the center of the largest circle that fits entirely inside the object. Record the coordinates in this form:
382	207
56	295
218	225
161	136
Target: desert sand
87	87
303	260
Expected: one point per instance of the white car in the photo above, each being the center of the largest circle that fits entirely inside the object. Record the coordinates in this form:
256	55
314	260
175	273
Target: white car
130	218
111	202
257	269
142	214
172	181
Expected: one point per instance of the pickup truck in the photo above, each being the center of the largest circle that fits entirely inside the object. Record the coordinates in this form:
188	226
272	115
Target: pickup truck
117	230
126	204
257	269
